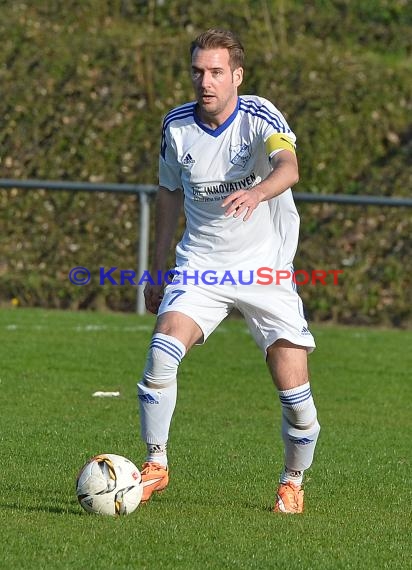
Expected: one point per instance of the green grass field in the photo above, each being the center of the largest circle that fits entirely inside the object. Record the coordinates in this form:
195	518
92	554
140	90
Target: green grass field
224	450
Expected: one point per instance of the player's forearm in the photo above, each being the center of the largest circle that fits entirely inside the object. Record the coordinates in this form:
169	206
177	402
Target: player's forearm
168	207
284	175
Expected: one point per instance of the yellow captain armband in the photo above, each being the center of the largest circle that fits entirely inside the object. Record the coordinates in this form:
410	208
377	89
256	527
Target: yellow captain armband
279	141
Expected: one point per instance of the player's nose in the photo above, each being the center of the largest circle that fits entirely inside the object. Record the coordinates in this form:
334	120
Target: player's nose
206	77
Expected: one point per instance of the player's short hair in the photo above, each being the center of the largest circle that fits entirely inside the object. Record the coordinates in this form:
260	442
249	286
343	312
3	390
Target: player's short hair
216	38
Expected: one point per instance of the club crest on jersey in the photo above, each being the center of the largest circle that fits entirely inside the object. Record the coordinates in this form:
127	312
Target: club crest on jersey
240	154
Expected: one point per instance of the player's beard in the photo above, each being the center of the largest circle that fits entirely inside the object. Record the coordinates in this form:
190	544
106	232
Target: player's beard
211	109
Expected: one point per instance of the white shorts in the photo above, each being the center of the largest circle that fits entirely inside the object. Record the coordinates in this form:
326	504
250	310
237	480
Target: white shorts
272	312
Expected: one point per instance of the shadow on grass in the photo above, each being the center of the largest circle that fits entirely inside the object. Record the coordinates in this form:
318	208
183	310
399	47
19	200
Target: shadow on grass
68	510
258	507
215	502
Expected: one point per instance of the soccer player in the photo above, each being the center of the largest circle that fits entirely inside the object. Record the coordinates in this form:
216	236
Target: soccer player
231	161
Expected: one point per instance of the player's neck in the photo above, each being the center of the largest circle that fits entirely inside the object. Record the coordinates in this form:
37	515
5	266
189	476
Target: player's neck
214	121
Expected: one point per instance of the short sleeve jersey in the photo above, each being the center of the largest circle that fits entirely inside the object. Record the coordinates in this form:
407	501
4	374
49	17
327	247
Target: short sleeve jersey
209	165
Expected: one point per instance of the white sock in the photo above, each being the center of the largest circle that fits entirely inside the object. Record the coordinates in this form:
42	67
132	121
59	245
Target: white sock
157	393
300	430
156	412
295	477
157	453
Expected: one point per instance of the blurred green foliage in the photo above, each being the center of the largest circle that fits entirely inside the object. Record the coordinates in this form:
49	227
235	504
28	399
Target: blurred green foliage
85	85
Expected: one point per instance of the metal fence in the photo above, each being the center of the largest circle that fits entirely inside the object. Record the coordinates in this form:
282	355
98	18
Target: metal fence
145	190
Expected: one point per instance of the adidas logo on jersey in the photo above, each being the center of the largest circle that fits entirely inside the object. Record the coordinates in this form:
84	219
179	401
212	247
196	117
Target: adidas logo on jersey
188	159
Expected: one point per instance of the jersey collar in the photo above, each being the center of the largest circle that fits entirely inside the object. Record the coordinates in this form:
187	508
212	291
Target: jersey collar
216	132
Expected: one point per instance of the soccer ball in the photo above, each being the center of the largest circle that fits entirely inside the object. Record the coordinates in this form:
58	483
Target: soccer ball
109	484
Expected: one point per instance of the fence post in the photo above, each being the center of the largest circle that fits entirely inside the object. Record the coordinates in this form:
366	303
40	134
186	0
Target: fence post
143	252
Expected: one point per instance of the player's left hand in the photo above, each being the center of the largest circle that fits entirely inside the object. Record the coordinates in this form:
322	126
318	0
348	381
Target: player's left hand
242	201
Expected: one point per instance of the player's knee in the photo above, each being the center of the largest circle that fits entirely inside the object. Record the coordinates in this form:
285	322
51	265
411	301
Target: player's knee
301	419
299	409
163	359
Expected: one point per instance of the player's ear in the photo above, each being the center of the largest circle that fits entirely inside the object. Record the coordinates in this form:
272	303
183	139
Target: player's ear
238	76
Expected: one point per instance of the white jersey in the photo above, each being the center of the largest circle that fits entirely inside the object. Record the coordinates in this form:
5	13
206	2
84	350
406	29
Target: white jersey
209	165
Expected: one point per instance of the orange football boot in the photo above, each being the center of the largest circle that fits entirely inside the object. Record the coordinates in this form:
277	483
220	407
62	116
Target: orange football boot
155	477
289	499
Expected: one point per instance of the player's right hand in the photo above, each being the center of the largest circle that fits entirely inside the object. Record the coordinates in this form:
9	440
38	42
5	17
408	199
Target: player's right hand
153	295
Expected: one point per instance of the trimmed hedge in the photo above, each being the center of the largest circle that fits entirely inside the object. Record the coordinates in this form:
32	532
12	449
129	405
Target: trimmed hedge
85	86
